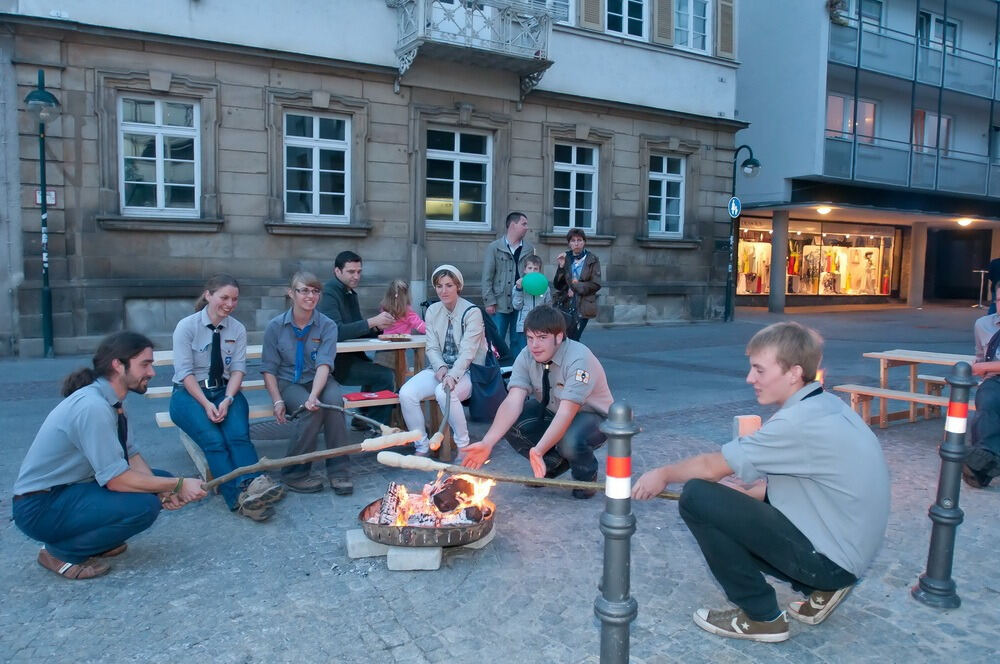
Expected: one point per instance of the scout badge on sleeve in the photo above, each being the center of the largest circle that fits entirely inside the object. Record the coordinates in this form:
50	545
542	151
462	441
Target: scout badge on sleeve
582	376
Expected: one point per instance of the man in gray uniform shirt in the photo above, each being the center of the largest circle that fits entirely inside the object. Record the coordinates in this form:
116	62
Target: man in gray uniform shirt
826	506
559	426
83	488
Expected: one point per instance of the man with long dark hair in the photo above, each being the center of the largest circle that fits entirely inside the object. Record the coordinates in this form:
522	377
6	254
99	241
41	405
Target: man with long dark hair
83	488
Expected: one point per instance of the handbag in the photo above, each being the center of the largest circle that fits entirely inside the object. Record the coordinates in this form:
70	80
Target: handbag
488	388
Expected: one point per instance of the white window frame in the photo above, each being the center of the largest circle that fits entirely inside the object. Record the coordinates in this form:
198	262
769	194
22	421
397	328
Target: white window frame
315	143
709	20
846	131
923	147
158	130
573	169
644	36
457	158
664	177
570	6
866	23
931	41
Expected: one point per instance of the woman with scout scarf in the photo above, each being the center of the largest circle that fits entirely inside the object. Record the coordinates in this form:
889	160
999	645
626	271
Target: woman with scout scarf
210	350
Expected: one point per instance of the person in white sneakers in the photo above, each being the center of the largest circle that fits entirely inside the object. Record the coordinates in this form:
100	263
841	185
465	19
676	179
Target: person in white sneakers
826	506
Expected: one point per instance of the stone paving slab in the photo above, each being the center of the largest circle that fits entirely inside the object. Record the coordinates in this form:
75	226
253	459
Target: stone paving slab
204	584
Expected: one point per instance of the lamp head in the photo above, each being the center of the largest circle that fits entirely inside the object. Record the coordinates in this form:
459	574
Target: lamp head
42	104
751	167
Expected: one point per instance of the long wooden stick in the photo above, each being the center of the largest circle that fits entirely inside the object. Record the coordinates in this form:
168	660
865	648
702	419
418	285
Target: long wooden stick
424	463
438	436
385	430
367	445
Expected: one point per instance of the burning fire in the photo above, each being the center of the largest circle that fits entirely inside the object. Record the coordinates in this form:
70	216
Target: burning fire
447	501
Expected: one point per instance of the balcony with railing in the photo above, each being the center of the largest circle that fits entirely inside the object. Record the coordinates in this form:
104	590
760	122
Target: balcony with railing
511	35
892	52
885	161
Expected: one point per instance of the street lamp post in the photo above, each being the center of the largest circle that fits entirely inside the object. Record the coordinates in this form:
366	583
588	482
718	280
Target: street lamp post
750	167
44	107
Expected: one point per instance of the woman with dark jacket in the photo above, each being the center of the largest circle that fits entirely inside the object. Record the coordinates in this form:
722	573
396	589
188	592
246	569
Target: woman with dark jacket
577	280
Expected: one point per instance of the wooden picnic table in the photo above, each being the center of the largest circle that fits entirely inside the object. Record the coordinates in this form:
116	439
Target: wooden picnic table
417	342
901	357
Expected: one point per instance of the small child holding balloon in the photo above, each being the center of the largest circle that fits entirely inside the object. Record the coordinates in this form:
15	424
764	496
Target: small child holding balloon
530	291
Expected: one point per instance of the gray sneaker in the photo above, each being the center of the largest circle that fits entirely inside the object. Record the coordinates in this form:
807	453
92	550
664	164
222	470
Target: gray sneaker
262	491
735	624
262	513
819	606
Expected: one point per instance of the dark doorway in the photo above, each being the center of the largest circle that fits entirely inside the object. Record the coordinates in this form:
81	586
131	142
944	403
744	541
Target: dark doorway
952	255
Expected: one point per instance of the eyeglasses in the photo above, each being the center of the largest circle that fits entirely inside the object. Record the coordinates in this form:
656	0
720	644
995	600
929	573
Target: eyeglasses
307	291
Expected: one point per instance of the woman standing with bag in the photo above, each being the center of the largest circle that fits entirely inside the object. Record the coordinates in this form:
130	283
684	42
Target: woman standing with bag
455	340
577	280
210	351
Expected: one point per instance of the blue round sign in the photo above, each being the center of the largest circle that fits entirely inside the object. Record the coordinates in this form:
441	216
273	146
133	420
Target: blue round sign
735	207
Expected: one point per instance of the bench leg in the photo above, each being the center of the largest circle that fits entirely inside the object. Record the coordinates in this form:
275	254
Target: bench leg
933	411
866	409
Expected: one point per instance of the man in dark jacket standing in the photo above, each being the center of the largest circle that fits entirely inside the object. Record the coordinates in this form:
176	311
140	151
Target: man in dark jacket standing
502	266
340	302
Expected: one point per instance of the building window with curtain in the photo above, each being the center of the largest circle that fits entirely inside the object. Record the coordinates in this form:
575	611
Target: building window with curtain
160	162
931	131
574	199
458	175
692	24
317	167
840	118
665	202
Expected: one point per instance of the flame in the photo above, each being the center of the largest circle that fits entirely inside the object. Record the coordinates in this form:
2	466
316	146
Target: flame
411	504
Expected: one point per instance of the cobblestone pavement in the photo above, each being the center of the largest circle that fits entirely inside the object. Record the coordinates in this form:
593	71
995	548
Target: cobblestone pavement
206	585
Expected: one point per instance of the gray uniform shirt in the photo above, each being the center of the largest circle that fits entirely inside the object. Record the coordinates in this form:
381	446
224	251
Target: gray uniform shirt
574	375
825	471
193	347
983	330
278	353
78	442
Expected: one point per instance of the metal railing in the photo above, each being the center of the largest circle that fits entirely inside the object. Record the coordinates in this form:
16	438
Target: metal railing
888	161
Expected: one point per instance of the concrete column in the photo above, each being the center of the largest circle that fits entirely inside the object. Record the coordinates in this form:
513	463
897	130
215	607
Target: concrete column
918	257
779	261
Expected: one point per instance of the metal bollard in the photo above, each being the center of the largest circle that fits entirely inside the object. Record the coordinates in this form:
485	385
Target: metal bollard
614	607
936	587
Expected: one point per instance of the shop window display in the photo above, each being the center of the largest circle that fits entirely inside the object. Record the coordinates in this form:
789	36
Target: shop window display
823	259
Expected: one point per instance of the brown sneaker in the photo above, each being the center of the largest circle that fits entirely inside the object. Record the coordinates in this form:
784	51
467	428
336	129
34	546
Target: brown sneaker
262	513
735	624
342	486
820	604
261	492
307	484
88	569
111	553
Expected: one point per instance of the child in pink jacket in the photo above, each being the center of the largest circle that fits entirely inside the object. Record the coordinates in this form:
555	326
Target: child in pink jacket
397	303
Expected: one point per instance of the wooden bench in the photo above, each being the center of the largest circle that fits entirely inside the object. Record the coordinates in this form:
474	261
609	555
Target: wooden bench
862	395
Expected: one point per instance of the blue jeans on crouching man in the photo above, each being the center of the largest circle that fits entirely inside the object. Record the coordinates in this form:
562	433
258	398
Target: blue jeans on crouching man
576	449
227	444
77	521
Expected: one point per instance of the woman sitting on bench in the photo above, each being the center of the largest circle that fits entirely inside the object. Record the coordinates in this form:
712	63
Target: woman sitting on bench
210	351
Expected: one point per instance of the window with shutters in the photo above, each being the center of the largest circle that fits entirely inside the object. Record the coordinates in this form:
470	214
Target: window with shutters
627	18
562	10
665	196
692	24
574	196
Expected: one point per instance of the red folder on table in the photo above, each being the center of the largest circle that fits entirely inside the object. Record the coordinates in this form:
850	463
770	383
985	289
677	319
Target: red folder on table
364	396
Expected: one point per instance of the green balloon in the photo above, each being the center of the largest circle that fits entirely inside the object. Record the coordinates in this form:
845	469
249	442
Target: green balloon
534	283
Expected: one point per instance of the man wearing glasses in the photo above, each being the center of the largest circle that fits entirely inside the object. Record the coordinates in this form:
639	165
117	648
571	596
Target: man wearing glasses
340	303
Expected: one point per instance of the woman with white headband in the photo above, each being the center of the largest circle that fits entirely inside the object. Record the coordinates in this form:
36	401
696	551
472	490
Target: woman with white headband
455	339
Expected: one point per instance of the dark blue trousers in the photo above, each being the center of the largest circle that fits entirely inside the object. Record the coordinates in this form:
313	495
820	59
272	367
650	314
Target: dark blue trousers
984	433
576	449
77	521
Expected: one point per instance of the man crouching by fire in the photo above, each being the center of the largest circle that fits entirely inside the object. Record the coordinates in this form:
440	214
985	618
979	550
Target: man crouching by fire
558	428
823	516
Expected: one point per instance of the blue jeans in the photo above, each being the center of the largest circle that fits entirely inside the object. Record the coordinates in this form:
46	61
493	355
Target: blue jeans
506	326
517	344
227	444
77	521
576	449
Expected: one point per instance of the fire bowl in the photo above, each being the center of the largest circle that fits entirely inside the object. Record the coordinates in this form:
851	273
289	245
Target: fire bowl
457	535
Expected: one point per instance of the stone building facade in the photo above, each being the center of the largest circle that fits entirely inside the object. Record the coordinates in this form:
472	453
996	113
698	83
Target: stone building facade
176	157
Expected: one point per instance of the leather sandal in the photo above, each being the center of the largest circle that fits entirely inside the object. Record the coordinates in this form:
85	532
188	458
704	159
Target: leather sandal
111	553
88	569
